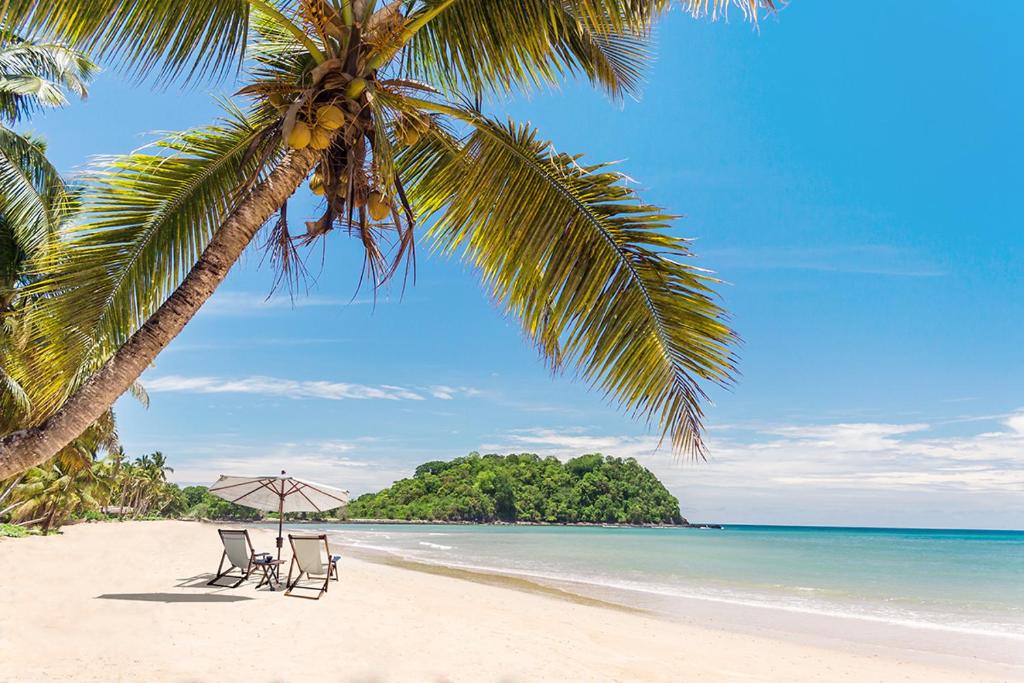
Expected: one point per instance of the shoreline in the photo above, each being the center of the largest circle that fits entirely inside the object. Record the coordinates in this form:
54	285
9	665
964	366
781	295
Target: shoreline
863	634
422	522
132	598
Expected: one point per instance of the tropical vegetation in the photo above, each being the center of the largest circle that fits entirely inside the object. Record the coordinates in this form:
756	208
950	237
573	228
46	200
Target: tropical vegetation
381	108
525	488
91	488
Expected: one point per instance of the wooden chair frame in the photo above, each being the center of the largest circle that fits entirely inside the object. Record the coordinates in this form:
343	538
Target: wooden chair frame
332	570
222	573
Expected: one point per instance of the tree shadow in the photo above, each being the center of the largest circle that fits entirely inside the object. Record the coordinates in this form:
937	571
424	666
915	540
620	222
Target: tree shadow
173	597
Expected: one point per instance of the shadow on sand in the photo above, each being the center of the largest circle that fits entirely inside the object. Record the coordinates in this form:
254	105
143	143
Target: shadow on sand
198	581
172	597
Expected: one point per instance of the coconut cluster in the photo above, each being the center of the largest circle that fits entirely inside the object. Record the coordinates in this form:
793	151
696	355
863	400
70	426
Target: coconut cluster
317	130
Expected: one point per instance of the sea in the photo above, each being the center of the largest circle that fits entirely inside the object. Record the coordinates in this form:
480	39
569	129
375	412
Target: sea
918	588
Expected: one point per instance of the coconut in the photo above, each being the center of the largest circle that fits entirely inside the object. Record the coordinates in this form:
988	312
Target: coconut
300	136
379	206
320	138
330	117
408	136
355	88
316	184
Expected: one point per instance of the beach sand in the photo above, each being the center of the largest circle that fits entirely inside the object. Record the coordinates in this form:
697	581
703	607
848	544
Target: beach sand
128	602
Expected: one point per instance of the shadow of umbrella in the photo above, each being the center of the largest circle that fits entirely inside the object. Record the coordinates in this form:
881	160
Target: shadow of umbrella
172	597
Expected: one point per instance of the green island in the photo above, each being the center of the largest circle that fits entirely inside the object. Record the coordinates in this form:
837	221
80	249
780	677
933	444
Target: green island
524	487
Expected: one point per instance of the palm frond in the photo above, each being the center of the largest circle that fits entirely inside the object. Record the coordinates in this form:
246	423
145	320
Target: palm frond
499	45
34	76
149	215
715	9
170	38
33	198
139	393
591	271
14	403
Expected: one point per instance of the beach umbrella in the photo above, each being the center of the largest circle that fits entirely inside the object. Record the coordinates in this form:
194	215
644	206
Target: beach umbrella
278	494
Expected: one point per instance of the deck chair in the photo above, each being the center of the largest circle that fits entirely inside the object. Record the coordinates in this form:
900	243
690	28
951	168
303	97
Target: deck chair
307	558
238	552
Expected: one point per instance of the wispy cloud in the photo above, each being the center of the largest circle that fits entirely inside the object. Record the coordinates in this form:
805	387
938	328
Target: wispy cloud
341	463
303	389
273	386
230	303
252	342
447	393
872	259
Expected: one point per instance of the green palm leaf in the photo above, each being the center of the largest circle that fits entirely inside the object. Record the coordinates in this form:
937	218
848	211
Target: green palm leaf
149	216
34	76
176	38
33	198
498	45
591	271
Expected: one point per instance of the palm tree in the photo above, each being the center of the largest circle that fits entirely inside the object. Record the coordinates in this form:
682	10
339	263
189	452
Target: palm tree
33	197
382	107
147	481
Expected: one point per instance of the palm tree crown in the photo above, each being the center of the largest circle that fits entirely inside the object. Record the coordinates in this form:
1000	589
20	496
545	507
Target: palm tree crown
380	108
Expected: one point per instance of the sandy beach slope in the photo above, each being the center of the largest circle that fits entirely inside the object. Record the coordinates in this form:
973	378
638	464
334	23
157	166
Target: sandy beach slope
128	602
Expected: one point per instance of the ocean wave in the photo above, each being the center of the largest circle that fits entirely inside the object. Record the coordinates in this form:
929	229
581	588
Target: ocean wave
438	546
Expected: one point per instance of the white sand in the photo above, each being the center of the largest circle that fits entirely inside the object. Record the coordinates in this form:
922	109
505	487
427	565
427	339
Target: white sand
128	602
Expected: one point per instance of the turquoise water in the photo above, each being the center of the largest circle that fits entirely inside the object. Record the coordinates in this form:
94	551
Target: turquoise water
966	581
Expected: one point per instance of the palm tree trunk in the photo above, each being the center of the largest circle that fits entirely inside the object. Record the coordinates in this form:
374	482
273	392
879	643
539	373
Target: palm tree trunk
29	447
49	519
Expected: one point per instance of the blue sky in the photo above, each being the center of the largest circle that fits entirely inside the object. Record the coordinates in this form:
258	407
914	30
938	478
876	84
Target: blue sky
851	175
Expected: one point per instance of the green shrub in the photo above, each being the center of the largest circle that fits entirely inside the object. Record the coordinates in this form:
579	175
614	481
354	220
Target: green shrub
15	531
96	516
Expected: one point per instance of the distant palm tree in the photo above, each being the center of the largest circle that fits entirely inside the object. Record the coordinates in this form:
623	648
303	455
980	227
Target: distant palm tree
381	105
68	467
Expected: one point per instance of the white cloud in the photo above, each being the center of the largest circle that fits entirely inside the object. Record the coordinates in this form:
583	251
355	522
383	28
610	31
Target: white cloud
228	303
329	461
573	443
873	473
447	393
273	386
1016	422
868	436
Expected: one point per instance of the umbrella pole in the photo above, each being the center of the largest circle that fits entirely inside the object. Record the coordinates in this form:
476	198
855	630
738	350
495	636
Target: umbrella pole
280	523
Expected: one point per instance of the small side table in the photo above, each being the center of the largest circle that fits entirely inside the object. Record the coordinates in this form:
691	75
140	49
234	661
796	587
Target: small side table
271	573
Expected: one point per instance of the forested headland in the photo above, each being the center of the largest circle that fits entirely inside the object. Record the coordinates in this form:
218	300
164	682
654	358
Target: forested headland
524	487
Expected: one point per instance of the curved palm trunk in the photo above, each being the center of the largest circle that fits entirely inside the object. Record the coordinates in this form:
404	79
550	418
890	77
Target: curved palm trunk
29	447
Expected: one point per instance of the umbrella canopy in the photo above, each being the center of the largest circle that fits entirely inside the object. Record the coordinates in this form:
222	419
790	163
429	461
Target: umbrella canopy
279	494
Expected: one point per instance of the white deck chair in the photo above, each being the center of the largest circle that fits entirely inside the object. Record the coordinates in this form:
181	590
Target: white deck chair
306	555
239	553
